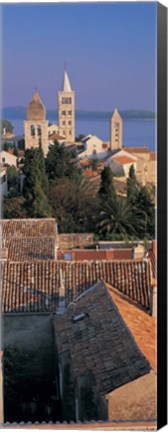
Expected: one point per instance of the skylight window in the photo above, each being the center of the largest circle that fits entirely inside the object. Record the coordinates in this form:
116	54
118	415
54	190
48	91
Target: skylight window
79	317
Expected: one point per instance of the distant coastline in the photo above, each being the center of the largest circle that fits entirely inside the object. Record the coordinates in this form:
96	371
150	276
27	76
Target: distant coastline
19	113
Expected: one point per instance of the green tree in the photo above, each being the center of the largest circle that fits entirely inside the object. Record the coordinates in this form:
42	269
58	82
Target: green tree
58	163
73	205
146	207
107	188
116	218
132	186
14	208
13	181
7	125
94	163
35	184
15	151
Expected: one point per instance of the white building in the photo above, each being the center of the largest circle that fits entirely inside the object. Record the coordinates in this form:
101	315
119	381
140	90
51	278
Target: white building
8	158
94	148
121	162
52	129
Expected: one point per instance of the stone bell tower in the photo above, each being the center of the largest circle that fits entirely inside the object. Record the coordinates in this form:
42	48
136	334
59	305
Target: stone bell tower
116	131
66	110
36	125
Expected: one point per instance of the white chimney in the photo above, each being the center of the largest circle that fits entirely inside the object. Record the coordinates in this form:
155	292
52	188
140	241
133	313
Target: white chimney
138	252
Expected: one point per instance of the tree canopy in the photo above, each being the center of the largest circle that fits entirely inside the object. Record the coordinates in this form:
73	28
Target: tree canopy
59	163
35	186
7	125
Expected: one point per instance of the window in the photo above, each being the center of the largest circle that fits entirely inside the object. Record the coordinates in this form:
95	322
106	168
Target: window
64	132
32	130
64	123
69	122
94	152
116	125
39	131
69	112
70	133
63	112
3	160
66	100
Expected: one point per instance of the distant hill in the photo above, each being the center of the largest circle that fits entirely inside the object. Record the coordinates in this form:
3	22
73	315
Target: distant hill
19	113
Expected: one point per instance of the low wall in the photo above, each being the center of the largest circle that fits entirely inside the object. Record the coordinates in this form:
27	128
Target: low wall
69	241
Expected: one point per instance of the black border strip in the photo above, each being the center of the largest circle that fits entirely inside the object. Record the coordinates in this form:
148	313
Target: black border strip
162	213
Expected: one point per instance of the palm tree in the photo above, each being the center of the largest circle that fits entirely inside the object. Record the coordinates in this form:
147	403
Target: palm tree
116	218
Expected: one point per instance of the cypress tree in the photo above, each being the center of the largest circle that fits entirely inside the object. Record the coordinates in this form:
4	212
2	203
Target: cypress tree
132	186
107	188
35	185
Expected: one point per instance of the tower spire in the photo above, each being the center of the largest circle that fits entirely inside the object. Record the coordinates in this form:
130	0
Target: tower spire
66	82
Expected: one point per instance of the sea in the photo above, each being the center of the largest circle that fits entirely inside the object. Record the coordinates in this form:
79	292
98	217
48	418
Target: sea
136	132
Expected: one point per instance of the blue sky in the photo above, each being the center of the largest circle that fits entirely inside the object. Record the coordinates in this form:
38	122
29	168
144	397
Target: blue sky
109	50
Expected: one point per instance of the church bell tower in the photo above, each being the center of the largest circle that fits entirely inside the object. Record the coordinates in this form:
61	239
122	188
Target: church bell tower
66	110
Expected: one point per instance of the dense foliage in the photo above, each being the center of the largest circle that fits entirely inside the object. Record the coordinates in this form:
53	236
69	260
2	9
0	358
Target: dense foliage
7	125
57	187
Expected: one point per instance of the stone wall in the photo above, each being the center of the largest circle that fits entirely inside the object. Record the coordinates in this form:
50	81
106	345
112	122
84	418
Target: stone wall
70	241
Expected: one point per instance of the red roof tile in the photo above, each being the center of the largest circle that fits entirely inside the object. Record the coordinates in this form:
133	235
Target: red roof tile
141	325
34	286
124	160
92	254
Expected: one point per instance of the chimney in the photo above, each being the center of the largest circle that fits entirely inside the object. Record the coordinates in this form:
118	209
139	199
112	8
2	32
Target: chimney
61	295
153	298
154	247
138	252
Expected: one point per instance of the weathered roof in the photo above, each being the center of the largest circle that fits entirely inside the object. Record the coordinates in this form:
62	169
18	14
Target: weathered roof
100	342
36	109
30	248
33	286
141	325
29	239
17	228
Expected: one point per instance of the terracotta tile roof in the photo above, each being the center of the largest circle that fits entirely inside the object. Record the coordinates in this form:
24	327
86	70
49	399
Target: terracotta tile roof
92	254
29	239
33	286
123	160
144	149
56	136
30	248
100	343
27	227
89	173
142	326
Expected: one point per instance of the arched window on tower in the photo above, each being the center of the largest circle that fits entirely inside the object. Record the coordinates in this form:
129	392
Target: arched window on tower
39	130
32	130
